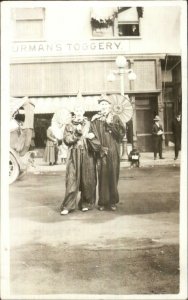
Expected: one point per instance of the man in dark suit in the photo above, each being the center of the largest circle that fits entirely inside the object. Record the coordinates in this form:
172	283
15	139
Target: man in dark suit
157	132
176	128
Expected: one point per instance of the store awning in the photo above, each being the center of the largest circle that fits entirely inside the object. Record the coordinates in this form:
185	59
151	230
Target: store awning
46	105
170	61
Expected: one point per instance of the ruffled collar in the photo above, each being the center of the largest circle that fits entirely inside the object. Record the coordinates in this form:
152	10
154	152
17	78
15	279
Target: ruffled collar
101	116
76	121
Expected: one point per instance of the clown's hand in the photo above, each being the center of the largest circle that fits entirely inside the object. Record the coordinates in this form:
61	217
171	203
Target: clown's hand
109	119
79	127
90	136
104	151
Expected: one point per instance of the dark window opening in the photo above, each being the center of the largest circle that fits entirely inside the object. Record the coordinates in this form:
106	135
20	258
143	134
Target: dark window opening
128	30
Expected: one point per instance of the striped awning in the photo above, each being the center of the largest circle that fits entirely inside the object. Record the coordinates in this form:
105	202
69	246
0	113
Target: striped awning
44	105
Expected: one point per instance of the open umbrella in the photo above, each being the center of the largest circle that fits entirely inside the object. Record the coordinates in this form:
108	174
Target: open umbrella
122	107
60	118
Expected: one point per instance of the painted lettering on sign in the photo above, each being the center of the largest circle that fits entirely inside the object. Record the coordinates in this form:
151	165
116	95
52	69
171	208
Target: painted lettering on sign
27	49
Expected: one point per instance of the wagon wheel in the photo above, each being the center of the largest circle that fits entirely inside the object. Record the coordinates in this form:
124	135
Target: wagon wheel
122	107
14	169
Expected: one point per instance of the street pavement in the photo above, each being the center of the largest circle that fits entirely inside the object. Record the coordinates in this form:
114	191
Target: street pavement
134	250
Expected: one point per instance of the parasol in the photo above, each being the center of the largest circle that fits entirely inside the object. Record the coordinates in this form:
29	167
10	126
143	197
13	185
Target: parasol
60	118
122	107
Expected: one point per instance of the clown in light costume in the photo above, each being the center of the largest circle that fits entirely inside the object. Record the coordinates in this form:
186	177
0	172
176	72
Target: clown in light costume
81	165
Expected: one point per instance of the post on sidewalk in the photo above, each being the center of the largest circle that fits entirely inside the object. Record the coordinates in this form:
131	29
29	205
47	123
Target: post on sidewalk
160	96
124	155
134	122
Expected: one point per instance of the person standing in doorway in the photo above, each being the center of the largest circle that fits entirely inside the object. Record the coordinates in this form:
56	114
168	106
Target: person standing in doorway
176	129
109	131
51	150
157	132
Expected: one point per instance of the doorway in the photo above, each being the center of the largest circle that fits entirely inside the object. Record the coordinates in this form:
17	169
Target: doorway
41	124
146	109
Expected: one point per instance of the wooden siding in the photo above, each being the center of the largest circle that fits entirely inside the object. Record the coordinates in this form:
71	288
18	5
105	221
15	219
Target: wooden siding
67	78
146	75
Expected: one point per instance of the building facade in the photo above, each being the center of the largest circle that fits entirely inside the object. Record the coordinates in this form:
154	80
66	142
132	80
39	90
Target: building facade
61	51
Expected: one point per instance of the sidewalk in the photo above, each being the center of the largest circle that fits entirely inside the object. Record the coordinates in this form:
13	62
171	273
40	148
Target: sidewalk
146	160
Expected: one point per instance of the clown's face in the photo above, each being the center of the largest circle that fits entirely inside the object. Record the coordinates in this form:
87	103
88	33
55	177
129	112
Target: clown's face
104	107
79	113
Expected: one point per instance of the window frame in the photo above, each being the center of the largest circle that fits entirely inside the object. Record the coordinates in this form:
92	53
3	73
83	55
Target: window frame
129	23
19	18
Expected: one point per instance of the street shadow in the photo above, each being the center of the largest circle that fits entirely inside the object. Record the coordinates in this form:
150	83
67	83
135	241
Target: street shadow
39	197
139	204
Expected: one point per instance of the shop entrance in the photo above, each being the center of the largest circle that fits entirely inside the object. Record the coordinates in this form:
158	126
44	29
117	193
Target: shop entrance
41	124
146	109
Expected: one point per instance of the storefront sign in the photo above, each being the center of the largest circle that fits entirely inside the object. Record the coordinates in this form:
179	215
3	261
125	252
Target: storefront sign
93	47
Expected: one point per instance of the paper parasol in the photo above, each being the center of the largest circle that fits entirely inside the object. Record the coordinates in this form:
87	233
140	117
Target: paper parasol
60	118
122	107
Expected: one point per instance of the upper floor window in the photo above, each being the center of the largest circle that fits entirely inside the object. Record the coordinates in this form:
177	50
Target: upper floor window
129	21
102	21
117	22
128	29
28	24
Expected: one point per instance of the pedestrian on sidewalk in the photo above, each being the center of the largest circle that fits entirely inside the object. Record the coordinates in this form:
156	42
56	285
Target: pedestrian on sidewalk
81	165
176	129
157	132
109	130
51	150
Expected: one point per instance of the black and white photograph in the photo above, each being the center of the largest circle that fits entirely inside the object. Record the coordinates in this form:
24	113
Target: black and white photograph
94	150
